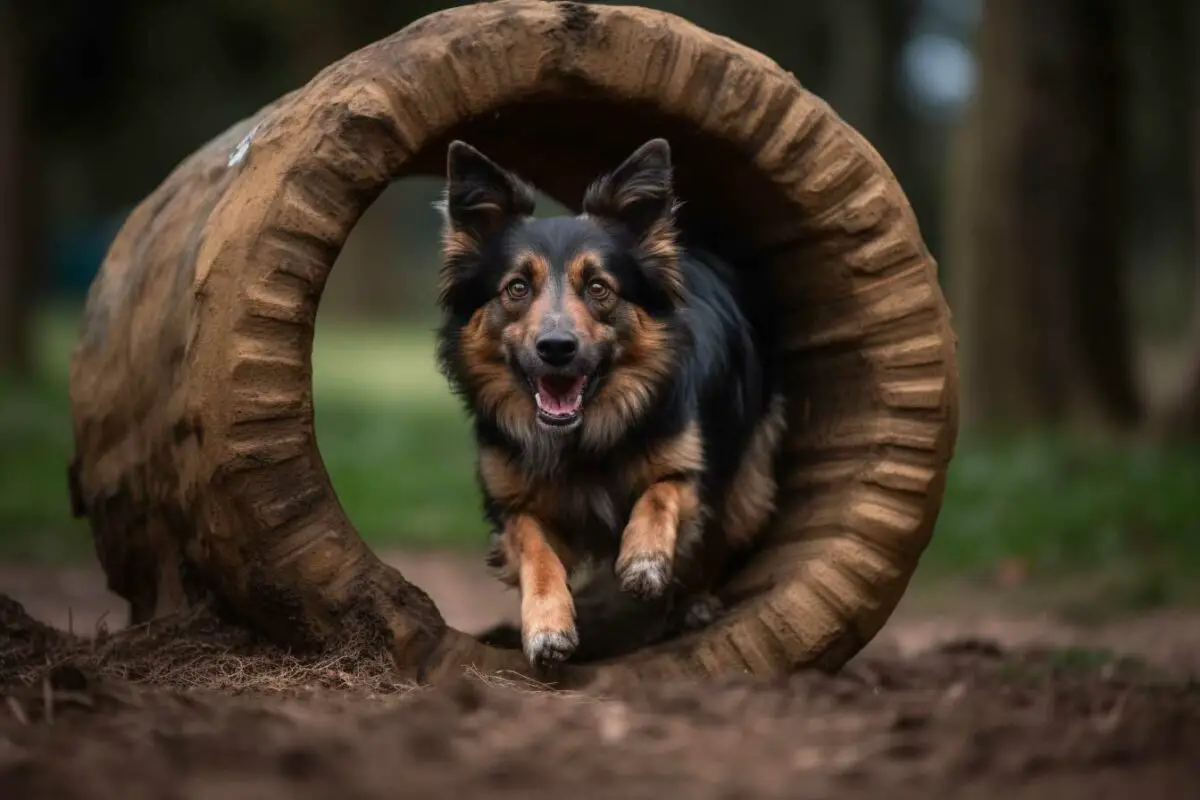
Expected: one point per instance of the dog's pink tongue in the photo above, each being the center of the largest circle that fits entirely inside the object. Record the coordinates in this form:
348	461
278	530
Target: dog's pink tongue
560	396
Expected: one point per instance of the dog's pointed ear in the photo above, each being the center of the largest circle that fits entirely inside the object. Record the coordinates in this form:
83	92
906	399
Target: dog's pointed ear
639	196
481	197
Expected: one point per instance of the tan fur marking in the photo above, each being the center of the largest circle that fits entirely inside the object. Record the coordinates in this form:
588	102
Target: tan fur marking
492	381
667	514
751	496
590	320
533	265
660	242
456	244
508	485
684	453
525	329
658	516
546	603
524	319
638	370
482	350
586	326
584	262
659	247
503	479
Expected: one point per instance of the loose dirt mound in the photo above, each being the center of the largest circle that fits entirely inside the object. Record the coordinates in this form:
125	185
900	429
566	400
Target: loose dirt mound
192	652
190	709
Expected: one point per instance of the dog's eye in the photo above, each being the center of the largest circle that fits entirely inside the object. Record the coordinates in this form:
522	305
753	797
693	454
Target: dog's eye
517	289
598	290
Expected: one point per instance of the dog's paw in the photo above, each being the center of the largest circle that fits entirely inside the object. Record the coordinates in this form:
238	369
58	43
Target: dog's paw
543	647
645	575
702	611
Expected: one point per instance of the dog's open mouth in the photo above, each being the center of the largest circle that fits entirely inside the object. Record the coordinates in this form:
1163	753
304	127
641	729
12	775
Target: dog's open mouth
559	398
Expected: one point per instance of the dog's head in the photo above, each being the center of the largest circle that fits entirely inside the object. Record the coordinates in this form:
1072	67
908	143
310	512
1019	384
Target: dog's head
566	323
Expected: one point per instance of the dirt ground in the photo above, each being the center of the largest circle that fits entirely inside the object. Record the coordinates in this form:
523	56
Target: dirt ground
972	703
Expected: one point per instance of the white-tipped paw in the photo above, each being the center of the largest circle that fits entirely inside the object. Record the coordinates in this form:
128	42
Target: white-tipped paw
543	647
645	576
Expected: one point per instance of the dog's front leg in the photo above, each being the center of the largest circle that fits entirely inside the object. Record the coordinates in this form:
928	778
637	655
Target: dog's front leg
547	610
665	512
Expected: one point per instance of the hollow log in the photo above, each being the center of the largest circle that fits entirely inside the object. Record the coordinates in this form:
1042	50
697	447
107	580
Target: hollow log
196	460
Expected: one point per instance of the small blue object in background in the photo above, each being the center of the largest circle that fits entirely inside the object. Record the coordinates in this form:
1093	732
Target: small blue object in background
76	252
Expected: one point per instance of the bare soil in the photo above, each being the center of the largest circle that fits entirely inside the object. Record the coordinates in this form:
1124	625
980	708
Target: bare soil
970	704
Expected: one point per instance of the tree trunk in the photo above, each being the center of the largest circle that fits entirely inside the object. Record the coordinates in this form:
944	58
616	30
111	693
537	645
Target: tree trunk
16	237
960	231
904	139
1184	423
860	72
1184	418
1047	339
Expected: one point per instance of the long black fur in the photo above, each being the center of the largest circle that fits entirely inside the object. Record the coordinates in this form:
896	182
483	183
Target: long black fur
721	374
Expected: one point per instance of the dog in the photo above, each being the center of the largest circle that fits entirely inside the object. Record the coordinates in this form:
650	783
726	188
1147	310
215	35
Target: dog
624	407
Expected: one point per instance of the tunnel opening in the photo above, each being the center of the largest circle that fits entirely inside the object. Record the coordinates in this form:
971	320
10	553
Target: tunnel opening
728	207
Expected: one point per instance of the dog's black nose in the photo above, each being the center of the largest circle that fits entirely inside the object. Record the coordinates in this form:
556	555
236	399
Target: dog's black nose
557	348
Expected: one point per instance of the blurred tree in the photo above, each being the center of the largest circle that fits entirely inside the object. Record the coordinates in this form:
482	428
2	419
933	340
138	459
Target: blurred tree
960	221
910	146
1183	418
860	64
1041	307
123	89
17	207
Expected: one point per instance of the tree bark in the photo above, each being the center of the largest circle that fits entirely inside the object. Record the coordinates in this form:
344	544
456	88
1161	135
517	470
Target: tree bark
16	238
1047	339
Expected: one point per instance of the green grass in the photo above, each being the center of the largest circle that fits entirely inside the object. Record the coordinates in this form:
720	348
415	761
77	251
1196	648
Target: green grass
35	445
394	441
398	451
1067	505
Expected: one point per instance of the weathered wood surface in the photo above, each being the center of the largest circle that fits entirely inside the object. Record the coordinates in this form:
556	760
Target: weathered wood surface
191	385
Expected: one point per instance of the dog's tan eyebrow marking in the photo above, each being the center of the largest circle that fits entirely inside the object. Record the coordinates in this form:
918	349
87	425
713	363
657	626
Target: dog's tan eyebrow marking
586	265
530	264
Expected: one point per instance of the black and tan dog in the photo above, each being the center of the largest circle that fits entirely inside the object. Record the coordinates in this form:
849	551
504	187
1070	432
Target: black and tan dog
621	400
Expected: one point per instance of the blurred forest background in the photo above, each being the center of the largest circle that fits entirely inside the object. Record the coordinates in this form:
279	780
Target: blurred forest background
1049	147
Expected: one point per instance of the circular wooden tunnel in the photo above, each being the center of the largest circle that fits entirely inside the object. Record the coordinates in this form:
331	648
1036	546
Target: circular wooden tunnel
191	387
